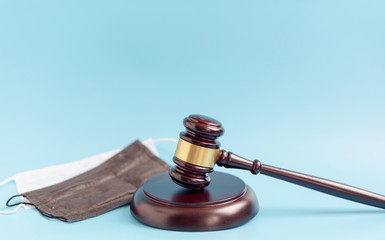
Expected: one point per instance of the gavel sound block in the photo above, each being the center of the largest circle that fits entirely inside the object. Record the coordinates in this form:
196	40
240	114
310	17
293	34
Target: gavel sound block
191	197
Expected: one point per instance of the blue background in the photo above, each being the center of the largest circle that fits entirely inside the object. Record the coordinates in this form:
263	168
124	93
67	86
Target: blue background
297	84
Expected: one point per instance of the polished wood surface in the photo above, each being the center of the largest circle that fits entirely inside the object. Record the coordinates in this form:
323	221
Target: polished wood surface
227	202
194	176
203	202
231	160
201	131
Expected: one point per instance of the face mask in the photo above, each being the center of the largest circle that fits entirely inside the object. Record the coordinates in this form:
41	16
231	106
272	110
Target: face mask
89	187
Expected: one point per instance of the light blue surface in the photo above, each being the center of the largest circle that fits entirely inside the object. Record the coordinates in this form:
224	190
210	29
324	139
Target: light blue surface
297	84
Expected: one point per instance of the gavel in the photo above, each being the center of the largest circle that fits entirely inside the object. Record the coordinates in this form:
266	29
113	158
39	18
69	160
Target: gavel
198	151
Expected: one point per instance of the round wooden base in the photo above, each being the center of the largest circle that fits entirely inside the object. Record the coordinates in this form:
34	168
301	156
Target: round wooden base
227	202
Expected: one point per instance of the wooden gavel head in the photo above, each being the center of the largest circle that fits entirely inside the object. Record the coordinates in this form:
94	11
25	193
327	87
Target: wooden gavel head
228	201
197	152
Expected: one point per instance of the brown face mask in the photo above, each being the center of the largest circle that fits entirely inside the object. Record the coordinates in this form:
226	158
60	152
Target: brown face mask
108	186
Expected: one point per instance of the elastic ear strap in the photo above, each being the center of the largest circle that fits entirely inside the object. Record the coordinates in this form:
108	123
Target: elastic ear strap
14	210
19	205
7	181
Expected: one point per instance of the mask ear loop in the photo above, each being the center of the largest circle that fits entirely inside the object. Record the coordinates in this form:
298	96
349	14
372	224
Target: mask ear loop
7	181
28	203
19	205
22	204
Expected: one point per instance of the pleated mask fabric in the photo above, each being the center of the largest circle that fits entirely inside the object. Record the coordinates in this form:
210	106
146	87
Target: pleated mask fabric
101	189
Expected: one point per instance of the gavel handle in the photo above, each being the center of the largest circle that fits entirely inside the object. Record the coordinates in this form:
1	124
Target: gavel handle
230	160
